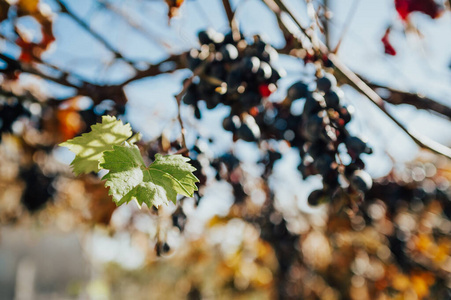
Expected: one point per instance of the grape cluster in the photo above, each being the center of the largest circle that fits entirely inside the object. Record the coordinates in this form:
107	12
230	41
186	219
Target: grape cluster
38	189
10	113
324	119
236	74
318	132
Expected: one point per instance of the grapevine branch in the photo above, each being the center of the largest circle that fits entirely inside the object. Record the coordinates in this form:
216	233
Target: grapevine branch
186	84
15	65
229	12
351	78
357	83
397	97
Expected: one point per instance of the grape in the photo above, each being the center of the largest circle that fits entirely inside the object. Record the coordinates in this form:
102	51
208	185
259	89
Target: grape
210	36
249	130
250	99
234	78
204	37
231	123
361	180
229	52
191	95
313	128
326	83
323	163
264	72
298	90
345	113
333	100
317	197
250	64
356	146
313	104
193	60
38	189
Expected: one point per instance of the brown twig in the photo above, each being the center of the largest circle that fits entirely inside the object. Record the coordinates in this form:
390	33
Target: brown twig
349	17
186	84
153	70
289	37
229	12
397	97
326	23
17	65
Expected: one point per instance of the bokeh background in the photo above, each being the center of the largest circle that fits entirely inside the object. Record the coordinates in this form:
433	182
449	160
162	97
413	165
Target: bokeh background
249	233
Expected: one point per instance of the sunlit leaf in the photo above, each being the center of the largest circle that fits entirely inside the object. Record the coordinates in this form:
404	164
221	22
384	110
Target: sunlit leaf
129	178
90	146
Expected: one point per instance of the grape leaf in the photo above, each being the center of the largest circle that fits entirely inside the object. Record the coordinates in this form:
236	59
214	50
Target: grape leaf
129	178
90	146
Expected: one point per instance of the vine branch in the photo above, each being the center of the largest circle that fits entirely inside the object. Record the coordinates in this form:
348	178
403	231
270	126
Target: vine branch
351	78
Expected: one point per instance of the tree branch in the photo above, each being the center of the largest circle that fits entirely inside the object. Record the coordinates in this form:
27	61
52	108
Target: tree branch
186	84
153	70
398	97
350	77
229	12
17	65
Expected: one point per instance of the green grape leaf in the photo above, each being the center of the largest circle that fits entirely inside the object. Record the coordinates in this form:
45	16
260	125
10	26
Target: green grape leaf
90	146
129	178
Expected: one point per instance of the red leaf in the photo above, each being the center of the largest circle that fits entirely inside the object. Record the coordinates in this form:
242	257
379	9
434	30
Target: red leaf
428	7
388	48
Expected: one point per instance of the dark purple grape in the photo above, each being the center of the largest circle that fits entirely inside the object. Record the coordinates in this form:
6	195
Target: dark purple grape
210	36
248	131
234	78
229	52
204	37
249	99
313	104
356	146
264	72
317	197
38	190
298	90
326	83
231	123
346	113
333	99
193	60
276	75
361	181
323	164
250	65
190	97
313	128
